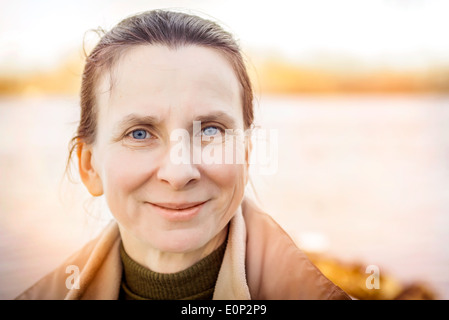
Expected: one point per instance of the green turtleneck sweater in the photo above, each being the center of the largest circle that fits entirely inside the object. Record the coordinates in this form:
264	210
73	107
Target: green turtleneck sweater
194	283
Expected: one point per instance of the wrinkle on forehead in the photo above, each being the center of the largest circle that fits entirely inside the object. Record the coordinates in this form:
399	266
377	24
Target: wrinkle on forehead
130	78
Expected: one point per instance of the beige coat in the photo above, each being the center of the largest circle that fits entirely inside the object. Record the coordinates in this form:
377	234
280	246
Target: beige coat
260	262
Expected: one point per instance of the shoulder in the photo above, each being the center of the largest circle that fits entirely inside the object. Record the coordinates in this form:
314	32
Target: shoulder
276	267
56	284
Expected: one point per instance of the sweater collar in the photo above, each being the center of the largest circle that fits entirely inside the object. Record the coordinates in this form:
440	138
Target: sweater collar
194	283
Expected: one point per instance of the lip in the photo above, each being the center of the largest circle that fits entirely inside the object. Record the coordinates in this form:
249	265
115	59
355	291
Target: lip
177	211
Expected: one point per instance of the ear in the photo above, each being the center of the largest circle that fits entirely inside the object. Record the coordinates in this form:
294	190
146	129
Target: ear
88	173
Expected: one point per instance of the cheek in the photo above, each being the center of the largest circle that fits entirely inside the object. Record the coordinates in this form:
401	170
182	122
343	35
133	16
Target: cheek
230	182
227	177
126	171
228	168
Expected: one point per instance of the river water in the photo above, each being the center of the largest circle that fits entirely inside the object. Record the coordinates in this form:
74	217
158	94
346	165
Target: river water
361	178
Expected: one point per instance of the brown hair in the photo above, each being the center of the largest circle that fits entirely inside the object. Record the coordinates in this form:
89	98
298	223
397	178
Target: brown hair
172	29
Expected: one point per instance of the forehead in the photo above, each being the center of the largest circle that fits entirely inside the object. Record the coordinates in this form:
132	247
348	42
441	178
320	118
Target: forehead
159	80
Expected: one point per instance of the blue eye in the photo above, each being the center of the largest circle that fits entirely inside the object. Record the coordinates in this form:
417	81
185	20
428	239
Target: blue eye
139	134
210	131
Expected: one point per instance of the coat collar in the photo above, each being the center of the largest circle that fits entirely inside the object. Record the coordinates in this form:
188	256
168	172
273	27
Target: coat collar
231	282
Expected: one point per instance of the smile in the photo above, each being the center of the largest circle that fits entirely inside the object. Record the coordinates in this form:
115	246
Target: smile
177	211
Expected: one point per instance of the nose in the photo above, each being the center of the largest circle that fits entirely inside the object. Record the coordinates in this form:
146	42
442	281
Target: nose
178	175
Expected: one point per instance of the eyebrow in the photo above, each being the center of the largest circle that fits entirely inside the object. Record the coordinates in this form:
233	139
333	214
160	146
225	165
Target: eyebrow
134	119
218	116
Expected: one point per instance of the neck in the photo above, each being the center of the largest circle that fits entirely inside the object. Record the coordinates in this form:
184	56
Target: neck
167	262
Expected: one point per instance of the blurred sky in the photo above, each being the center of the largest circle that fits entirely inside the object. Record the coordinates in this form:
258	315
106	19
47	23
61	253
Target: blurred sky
37	34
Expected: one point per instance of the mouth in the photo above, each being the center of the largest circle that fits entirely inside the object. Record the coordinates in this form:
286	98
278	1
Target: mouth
177	211
177	206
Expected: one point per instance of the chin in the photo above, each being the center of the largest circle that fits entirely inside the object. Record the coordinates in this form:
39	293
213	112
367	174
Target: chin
179	241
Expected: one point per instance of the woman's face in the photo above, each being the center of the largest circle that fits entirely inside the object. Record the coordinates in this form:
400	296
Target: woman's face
155	187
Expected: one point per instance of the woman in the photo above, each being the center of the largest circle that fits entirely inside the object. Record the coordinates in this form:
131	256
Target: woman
158	91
